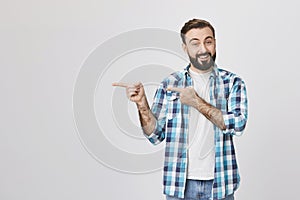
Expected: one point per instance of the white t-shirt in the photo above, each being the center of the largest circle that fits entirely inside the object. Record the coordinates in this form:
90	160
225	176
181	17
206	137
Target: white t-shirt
201	152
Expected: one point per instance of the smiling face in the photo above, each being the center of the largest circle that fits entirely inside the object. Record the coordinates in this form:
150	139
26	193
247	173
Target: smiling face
200	45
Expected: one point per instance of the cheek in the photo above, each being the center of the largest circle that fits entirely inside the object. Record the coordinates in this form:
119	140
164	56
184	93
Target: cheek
192	52
212	50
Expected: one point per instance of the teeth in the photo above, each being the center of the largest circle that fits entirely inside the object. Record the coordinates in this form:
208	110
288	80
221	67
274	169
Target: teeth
206	56
203	57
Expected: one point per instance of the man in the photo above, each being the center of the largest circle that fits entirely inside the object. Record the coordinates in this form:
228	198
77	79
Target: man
198	111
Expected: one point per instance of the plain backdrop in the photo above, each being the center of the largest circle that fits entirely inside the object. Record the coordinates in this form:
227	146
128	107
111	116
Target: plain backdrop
43	45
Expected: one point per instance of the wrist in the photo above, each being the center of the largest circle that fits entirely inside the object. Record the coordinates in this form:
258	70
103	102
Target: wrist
197	102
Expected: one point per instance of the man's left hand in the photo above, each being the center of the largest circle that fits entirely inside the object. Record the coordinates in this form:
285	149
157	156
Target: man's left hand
188	95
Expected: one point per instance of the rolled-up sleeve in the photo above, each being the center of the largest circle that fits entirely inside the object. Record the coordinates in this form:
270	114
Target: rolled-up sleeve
235	117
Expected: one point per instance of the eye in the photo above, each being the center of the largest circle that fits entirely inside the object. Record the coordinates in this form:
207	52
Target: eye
208	42
195	44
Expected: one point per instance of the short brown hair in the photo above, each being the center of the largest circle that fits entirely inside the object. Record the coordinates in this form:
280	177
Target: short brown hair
195	23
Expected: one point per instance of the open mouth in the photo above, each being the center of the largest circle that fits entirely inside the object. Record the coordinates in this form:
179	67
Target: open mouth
204	57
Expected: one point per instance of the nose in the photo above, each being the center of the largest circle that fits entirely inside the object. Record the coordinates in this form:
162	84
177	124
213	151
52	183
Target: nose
202	49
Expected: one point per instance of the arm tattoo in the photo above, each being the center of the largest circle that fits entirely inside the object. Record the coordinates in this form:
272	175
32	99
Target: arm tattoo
211	113
147	119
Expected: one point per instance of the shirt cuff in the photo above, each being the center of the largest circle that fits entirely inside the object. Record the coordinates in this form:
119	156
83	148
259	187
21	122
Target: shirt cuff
229	123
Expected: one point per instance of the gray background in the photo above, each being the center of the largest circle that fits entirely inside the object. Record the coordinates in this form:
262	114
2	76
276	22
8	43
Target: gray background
43	45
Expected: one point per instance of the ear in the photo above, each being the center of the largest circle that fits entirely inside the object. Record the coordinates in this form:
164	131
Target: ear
184	47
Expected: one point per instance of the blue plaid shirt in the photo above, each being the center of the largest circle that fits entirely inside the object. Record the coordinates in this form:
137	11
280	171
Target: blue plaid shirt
227	93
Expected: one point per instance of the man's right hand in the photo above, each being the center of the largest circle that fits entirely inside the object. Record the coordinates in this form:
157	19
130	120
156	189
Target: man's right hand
135	92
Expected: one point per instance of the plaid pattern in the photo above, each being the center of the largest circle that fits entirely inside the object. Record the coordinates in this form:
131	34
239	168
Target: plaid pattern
227	93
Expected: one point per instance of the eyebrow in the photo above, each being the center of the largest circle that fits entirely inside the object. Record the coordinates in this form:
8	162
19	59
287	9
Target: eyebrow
208	37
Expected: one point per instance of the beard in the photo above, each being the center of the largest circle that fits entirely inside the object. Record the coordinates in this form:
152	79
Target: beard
204	65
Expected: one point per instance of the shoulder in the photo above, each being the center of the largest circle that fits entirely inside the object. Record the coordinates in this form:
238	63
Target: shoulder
228	76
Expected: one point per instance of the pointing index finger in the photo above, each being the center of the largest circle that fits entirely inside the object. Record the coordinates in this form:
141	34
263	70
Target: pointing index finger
175	89
120	84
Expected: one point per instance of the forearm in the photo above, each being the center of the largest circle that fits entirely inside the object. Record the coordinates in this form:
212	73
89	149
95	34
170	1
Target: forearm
147	119
210	112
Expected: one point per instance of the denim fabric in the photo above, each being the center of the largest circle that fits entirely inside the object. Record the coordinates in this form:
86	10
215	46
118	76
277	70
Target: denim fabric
198	190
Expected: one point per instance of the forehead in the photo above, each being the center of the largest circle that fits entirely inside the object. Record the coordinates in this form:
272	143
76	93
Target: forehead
200	34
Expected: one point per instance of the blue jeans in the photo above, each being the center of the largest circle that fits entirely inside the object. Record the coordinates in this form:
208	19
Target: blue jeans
198	190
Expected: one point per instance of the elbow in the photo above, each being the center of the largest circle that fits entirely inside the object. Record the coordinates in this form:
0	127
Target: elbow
236	125
156	137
